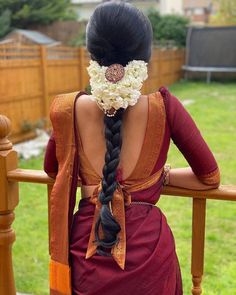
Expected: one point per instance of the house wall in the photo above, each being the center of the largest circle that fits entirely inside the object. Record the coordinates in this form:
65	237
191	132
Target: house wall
171	7
199	11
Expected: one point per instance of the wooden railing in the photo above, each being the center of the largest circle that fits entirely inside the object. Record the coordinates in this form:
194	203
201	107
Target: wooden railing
10	177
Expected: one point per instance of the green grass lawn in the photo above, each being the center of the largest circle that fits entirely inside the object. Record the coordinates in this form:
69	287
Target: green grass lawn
214	110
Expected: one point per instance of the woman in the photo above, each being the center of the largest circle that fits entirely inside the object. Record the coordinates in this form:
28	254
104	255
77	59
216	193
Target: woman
115	142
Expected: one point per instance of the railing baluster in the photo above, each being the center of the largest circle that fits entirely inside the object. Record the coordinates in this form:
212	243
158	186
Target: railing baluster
198	239
8	201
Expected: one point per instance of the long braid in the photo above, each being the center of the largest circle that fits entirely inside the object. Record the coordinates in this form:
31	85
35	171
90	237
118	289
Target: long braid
112	38
110	227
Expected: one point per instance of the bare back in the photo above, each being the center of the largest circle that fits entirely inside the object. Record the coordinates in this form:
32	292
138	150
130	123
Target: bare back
91	131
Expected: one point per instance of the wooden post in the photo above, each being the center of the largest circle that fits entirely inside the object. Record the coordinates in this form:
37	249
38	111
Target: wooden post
198	241
43	51
9	197
172	57
162	80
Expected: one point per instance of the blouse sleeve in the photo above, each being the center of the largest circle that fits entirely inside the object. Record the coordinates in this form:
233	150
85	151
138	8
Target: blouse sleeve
187	137
50	160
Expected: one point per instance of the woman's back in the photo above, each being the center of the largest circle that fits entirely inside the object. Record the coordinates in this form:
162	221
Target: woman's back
150	250
90	121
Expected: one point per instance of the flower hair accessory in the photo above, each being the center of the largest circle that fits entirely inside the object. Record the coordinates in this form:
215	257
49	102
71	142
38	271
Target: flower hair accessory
116	87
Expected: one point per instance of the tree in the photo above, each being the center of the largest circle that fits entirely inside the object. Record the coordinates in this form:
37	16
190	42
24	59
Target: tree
79	40
168	28
28	12
5	22
226	12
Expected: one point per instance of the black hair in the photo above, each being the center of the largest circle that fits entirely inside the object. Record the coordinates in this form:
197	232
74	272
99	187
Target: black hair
117	32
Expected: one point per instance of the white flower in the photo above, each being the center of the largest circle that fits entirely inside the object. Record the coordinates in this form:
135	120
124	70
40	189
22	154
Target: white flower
121	94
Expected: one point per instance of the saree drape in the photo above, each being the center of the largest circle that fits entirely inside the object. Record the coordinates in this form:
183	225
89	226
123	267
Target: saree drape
151	265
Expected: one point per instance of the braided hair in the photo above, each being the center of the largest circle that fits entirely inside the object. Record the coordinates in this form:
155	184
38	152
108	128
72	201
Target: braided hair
108	223
117	32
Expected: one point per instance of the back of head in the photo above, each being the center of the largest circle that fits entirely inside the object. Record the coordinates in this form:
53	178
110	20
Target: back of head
118	32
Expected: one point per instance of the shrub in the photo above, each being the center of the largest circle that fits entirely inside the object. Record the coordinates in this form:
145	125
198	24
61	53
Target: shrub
78	40
170	29
5	22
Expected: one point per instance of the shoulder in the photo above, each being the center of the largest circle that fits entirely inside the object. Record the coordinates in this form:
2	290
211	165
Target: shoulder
174	109
165	94
161	97
87	102
62	108
61	102
63	105
86	106
171	102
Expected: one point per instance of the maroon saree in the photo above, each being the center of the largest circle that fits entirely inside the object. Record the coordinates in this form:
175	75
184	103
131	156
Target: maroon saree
150	262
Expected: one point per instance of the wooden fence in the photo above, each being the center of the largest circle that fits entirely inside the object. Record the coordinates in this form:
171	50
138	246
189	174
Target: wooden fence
9	197
30	76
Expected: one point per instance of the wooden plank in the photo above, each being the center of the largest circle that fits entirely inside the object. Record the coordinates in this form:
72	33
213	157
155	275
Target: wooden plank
224	192
61	48
18	63
18	54
28	175
15	46
63	62
6	99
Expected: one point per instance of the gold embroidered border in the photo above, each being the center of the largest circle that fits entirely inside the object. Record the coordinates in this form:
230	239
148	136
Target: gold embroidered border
60	277
211	178
153	138
61	114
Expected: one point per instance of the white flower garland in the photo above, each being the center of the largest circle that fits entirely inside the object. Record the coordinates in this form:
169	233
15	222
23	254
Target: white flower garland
121	94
